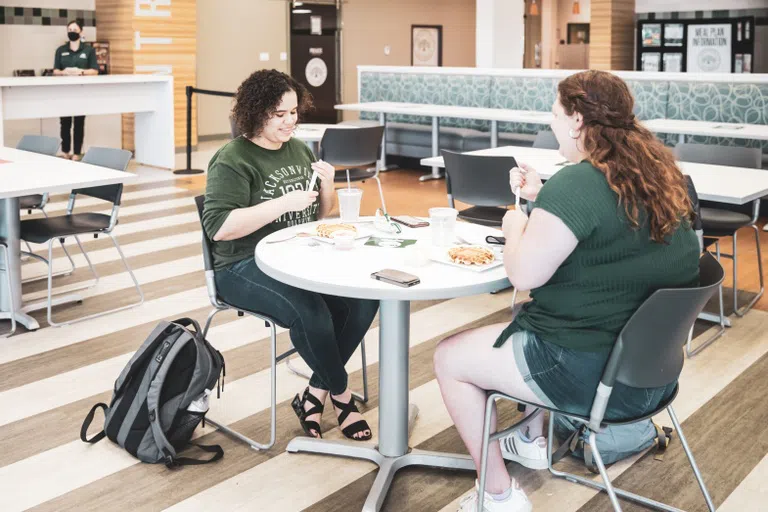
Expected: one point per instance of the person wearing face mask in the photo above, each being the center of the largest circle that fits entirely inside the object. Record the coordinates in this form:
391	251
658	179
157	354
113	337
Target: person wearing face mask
258	184
602	236
74	58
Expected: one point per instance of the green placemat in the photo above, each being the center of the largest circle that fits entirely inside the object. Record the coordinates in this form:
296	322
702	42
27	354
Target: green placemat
389	243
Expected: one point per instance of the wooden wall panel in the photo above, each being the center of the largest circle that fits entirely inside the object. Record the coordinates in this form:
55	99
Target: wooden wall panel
144	43
612	34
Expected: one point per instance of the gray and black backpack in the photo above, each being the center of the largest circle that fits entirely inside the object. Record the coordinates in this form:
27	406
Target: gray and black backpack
162	395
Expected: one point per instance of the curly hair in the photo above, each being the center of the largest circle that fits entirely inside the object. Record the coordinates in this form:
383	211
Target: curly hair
638	167
258	97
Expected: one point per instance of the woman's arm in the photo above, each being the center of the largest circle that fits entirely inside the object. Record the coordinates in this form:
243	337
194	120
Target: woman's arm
243	221
535	247
326	172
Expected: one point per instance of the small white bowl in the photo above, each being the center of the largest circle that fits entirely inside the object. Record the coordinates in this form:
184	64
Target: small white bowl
343	240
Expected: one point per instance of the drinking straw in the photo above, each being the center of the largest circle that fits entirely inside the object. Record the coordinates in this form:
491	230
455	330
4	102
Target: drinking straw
349	185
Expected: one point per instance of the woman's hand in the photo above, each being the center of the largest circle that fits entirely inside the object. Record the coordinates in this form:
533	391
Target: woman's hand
527	179
325	172
298	200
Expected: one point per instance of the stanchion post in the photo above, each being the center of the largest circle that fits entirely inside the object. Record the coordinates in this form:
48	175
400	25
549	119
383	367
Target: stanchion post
188	169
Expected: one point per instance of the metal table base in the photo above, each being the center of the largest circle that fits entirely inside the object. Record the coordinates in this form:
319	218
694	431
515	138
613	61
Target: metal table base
395	415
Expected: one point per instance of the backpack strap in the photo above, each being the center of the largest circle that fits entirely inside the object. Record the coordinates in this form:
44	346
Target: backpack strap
173	462
663	438
87	423
189	322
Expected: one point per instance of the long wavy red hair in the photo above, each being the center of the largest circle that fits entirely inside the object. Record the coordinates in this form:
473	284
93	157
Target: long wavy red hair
638	167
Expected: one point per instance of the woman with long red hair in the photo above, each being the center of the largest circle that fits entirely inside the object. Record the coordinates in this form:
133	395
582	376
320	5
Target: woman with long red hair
602	236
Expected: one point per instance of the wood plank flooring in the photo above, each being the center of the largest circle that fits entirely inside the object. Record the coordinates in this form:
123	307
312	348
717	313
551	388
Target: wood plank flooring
50	378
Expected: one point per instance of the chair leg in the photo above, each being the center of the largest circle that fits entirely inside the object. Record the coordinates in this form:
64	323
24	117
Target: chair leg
273	402
57	274
95	315
7	263
689	454
489	403
743	311
603	473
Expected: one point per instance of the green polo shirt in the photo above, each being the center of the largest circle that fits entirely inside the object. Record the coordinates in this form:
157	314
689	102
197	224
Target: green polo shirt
83	58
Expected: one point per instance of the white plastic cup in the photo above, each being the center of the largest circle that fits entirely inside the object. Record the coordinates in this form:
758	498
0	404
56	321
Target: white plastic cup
349	204
442	223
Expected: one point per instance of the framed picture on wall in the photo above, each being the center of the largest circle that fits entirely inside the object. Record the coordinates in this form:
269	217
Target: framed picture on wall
426	45
578	33
651	61
651	35
673	34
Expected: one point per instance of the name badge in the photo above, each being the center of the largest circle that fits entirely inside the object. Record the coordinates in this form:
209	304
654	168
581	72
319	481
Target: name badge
64	54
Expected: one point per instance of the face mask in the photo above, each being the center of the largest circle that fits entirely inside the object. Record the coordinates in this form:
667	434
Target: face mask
73	36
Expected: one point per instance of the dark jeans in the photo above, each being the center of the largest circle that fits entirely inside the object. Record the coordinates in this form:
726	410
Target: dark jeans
325	329
66	140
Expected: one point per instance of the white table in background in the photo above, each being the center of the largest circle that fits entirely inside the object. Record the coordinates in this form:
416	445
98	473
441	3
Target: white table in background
30	173
348	274
312	133
708	129
150	97
494	115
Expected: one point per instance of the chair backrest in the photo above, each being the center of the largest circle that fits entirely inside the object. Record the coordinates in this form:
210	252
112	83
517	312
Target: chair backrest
233	131
720	155
351	147
39	144
111	158
207	251
649	350
546	139
479	180
697	225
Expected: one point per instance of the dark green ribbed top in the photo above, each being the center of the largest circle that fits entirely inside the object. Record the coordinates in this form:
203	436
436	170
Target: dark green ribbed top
613	269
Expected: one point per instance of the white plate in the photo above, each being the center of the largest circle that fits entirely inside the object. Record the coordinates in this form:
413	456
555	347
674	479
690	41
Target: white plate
362	232
441	256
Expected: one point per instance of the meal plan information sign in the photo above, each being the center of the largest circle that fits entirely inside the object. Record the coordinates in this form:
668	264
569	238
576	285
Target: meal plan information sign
709	48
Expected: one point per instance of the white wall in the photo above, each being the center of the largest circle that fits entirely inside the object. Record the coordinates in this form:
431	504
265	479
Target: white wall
231	35
500	33
697	5
33	47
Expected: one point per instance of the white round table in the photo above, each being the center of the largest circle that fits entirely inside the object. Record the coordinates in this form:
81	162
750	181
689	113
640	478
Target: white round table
323	268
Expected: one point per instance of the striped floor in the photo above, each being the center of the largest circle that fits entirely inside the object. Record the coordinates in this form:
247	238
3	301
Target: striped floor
50	378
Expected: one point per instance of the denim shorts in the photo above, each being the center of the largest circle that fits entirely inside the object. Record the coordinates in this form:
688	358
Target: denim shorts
567	379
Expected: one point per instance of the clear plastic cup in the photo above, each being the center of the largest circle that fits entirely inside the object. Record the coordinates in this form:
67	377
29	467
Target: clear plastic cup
442	223
349	204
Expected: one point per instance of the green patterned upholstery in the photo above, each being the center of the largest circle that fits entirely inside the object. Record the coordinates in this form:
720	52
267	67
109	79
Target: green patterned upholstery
718	102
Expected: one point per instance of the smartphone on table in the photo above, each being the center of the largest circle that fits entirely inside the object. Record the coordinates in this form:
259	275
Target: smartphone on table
396	277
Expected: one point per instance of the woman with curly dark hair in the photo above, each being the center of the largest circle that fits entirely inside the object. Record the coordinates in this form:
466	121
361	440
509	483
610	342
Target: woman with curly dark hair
258	184
602	236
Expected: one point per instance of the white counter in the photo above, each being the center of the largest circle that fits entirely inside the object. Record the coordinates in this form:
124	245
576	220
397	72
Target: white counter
150	97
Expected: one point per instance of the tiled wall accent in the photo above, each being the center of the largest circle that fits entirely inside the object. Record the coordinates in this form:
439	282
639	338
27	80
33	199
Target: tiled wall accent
45	17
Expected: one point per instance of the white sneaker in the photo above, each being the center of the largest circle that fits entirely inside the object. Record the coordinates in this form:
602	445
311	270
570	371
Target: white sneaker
516	502
531	454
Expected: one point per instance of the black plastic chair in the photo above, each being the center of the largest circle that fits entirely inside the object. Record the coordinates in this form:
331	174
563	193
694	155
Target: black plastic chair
647	354
546	139
482	181
220	305
7	284
721	222
45	146
73	224
354	149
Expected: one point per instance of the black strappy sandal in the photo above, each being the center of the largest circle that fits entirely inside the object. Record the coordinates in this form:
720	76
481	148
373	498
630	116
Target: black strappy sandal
357	427
317	408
